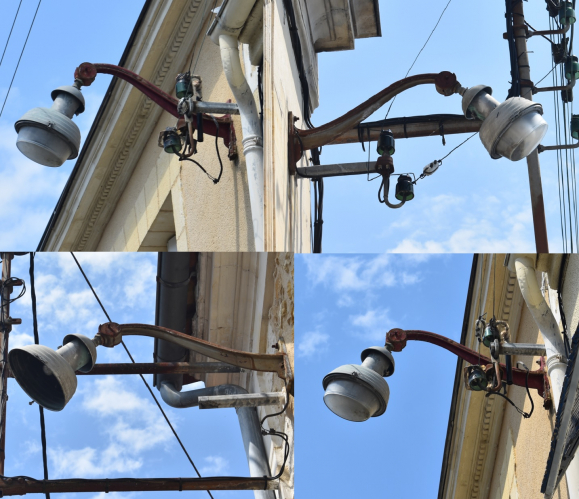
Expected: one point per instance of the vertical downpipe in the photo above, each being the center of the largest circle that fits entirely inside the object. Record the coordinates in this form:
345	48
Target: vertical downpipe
251	130
556	360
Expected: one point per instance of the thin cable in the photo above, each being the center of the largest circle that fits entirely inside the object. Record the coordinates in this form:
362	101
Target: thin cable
142	377
14	75
280	434
420	51
10	34
37	342
546	75
463	142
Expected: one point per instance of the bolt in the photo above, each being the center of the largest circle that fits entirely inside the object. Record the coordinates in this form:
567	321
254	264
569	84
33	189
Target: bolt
296	118
276	346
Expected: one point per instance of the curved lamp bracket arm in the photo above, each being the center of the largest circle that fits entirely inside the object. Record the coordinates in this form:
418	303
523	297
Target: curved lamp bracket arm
301	140
397	339
111	333
86	74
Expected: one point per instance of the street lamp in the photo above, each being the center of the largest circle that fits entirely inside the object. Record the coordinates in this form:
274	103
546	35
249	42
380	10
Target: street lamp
48	136
512	129
49	378
359	392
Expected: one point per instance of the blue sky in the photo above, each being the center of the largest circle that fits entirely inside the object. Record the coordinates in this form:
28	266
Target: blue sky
472	203
111	427
344	304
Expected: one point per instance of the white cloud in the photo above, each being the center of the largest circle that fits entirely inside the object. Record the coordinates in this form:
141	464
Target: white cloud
345	301
351	273
484	225
133	426
89	462
216	466
20	340
312	343
113	495
373	324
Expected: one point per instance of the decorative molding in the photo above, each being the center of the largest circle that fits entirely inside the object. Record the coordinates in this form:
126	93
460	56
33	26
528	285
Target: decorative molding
489	427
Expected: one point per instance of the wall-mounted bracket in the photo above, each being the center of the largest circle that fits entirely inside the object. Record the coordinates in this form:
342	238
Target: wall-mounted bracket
110	334
397	339
86	74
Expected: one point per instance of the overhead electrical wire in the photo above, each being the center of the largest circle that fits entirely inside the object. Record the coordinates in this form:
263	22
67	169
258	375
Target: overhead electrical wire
420	52
20	58
142	377
10	34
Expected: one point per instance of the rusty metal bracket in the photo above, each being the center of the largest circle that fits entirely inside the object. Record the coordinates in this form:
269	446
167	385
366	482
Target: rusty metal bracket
397	339
287	365
301	140
20	485
86	74
110	334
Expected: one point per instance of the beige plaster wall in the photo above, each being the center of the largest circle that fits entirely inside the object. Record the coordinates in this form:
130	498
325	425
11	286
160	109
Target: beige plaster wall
245	301
287	197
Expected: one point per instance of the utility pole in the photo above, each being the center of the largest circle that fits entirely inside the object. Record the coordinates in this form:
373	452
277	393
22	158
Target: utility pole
5	327
534	168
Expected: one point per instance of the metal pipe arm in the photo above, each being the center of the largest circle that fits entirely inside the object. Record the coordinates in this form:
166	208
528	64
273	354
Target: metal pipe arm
110	334
20	485
316	137
86	73
397	338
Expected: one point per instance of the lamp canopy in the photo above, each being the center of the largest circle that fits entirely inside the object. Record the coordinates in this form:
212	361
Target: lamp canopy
512	129
48	136
48	376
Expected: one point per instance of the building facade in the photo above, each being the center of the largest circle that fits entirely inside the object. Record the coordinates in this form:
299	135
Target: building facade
126	194
245	302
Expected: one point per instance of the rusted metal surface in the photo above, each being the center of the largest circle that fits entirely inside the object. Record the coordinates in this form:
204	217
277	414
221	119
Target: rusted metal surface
242	400
4	331
410	127
246	360
533	166
316	137
163	368
289	372
537	203
109	334
87	72
17	486
547	396
157	368
398	338
445	83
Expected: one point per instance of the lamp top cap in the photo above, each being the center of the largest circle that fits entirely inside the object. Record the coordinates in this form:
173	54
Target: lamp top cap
89	345
469	96
71	90
386	355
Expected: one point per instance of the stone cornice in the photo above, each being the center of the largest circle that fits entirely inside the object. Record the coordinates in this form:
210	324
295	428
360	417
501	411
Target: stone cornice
477	422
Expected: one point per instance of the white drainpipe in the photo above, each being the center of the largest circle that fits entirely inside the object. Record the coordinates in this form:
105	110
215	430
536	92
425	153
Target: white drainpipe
549	328
224	32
